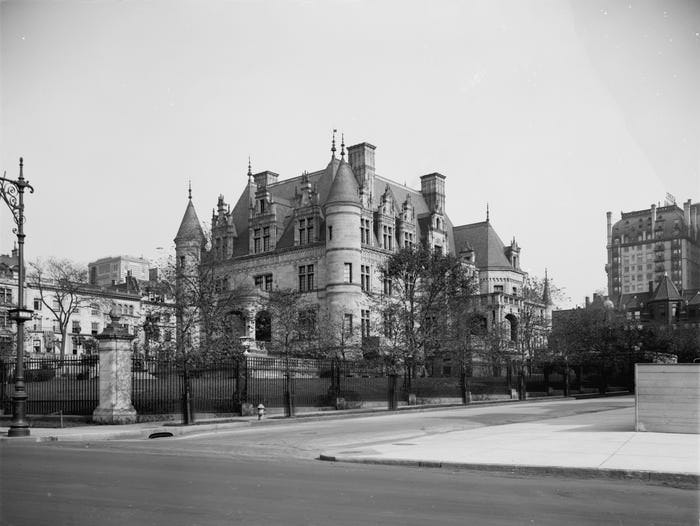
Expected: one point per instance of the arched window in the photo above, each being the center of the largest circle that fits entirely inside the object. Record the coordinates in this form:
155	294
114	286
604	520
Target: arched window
513	327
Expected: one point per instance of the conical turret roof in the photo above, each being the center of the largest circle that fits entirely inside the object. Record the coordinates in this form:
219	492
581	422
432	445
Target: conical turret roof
344	188
190	228
546	294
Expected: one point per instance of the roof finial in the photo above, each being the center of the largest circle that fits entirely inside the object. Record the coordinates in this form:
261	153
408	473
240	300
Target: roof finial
333	143
189	190
342	146
250	170
487	212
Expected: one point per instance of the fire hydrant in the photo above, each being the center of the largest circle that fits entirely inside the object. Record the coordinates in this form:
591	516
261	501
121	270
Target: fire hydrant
261	411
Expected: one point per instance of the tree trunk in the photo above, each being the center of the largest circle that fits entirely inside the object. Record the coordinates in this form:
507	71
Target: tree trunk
64	338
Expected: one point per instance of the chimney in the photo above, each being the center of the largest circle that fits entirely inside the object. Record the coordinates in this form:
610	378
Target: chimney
361	159
609	217
588	302
265	178
686	213
653	219
432	186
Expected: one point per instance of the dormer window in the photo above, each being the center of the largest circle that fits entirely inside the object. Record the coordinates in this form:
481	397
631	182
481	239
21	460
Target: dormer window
306	231
257	240
261	207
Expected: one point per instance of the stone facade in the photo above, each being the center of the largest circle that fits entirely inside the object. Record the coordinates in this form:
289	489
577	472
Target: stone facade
328	233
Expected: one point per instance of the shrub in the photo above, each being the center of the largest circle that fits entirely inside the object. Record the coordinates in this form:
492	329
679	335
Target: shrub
39	375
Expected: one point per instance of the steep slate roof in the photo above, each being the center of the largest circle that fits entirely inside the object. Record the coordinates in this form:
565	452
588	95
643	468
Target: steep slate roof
488	247
666	291
283	194
190	227
695	300
420	207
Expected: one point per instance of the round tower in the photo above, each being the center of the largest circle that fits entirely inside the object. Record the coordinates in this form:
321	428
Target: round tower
343	248
189	241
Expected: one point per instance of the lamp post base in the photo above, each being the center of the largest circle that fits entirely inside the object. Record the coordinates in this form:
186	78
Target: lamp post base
19	427
18	430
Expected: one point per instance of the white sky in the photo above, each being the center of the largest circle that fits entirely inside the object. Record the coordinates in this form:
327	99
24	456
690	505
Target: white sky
553	112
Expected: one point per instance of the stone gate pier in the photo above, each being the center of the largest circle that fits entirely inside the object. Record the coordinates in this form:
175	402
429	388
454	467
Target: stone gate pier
115	375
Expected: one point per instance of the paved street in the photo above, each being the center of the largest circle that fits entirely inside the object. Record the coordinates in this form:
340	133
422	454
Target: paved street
268	474
83	484
308	439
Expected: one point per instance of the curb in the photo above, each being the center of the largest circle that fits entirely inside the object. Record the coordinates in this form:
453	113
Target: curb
128	434
675	480
173	428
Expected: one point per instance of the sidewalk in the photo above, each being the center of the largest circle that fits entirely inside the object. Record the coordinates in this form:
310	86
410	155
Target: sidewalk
591	445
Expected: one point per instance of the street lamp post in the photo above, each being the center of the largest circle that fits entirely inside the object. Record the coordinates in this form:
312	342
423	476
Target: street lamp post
12	192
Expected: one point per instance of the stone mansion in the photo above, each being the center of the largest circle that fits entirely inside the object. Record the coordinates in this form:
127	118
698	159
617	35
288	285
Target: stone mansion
327	233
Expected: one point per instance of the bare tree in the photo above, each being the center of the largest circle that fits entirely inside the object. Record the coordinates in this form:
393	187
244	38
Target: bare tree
426	285
294	330
205	299
61	284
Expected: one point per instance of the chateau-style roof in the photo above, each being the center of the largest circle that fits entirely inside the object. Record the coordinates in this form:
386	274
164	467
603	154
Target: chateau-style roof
487	245
666	291
344	188
190	228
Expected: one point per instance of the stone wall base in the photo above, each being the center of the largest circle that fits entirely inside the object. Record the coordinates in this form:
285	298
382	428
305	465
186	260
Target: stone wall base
112	415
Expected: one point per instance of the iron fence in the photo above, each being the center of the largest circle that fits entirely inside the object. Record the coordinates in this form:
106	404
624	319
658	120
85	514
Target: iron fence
70	385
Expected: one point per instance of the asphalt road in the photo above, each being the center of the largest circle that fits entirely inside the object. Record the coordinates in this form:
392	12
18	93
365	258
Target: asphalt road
89	484
308	439
268	474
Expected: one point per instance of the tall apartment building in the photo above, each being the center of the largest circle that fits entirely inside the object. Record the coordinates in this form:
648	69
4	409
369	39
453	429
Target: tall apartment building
646	245
114	270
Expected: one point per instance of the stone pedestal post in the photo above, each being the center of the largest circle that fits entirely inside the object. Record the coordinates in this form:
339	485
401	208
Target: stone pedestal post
115	376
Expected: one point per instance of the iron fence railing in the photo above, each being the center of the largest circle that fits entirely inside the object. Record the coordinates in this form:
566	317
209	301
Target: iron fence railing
54	385
71	385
